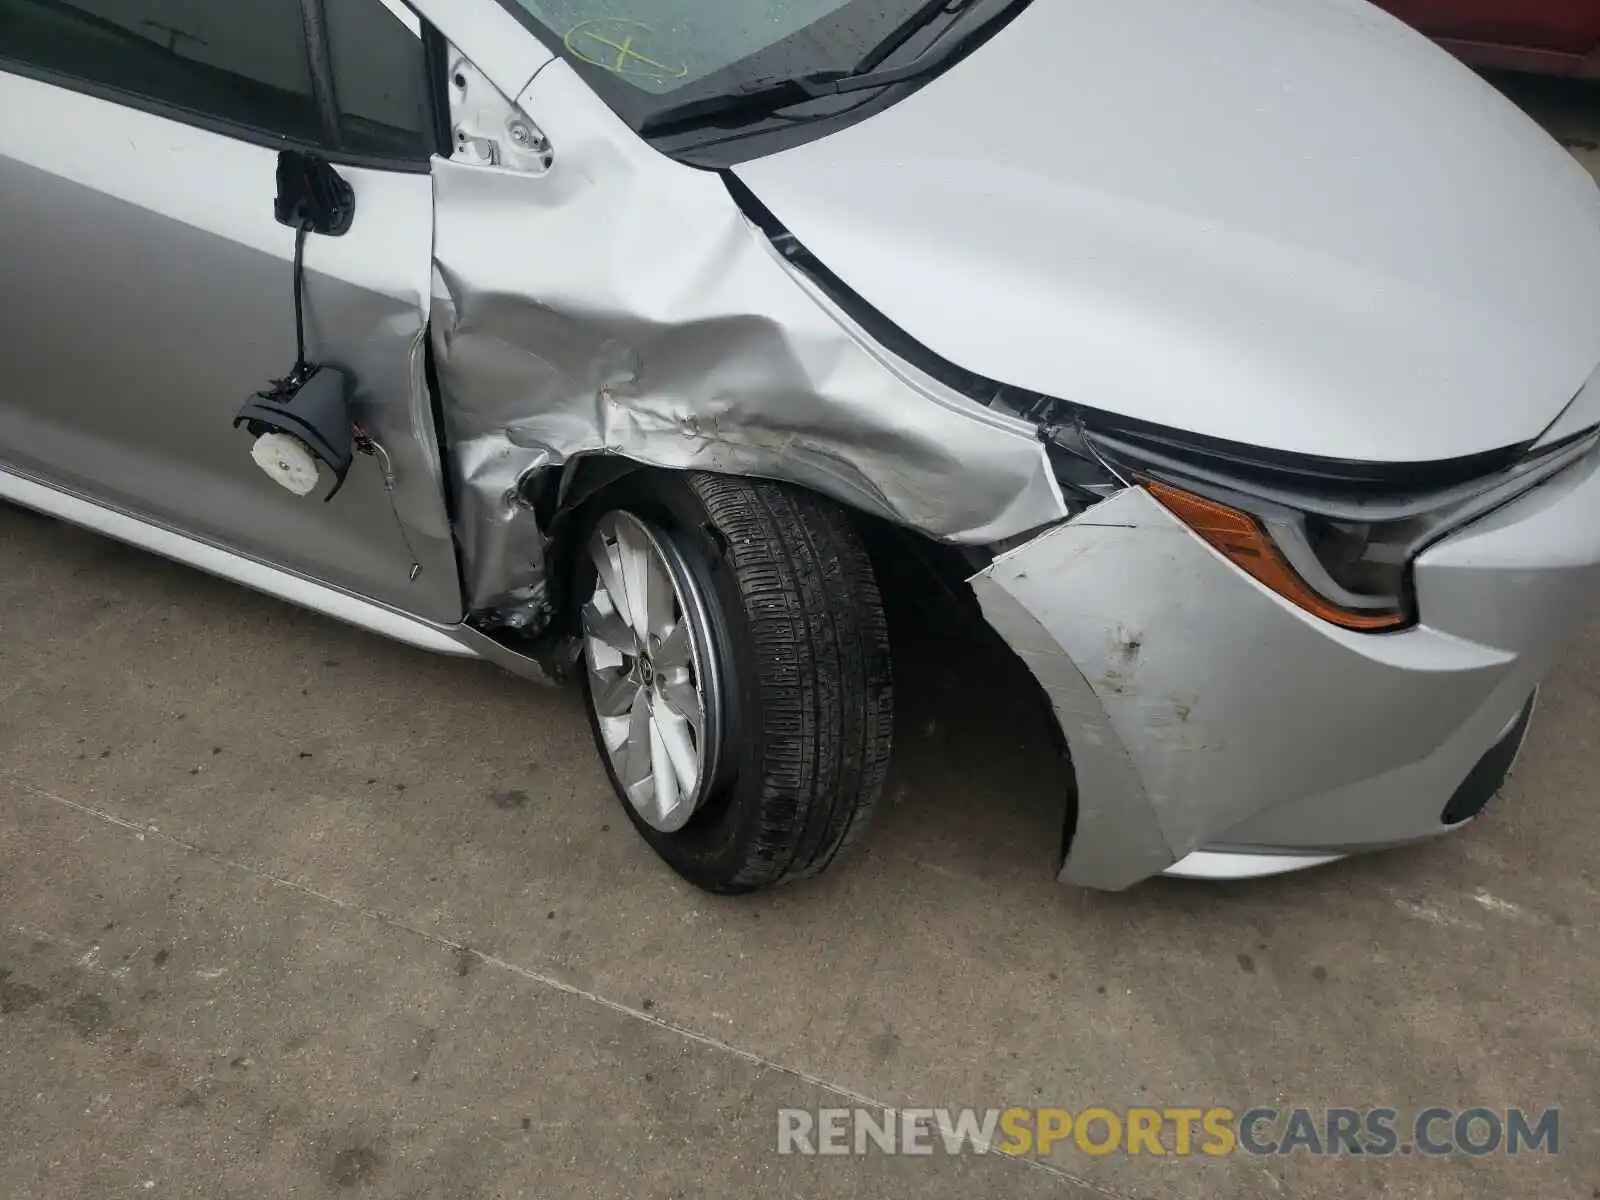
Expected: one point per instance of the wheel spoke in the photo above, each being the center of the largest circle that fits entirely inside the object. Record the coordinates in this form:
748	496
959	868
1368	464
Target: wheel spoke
668	794
674	649
614	732
609	627
613	691
674	732
680	698
645	641
661	600
634	556
607	565
635	766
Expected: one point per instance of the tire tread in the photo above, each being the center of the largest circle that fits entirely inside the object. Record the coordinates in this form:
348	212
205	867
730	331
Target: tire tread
820	640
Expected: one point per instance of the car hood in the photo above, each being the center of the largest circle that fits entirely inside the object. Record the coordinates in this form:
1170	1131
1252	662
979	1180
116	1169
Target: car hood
1299	226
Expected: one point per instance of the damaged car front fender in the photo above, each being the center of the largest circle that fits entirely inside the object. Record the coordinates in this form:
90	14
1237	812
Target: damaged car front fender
614	301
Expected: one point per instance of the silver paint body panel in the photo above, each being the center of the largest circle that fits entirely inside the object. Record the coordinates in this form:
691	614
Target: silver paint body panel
1293	225
649	318
1308	231
269	578
1204	711
150	293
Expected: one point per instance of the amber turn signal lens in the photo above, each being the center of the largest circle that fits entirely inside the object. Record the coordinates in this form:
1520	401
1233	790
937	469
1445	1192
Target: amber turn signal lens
1240	538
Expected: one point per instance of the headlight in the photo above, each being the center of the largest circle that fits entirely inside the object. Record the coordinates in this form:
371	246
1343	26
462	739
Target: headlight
1302	557
1340	550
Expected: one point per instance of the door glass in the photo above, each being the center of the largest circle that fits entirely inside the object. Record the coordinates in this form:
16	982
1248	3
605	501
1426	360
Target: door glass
241	62
381	81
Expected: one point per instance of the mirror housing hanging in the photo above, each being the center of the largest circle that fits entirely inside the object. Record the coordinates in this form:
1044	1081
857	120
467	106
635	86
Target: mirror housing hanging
305	418
300	421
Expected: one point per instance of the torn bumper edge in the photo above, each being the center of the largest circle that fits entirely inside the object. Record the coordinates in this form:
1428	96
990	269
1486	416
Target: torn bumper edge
1114	816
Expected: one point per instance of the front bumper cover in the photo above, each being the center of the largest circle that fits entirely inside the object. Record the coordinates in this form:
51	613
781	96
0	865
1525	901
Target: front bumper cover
1202	710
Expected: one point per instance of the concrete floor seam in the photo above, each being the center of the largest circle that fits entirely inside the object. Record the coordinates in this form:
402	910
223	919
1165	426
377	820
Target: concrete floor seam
534	976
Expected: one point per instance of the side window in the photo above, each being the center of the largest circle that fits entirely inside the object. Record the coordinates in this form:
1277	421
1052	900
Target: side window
381	81
248	63
240	62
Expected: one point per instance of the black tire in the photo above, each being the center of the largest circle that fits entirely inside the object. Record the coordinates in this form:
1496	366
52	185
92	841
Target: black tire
806	676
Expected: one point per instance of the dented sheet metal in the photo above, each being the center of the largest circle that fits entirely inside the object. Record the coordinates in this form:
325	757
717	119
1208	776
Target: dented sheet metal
1192	699
502	546
619	303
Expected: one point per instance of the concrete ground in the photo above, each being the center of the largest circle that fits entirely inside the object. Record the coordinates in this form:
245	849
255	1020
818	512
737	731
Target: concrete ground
286	910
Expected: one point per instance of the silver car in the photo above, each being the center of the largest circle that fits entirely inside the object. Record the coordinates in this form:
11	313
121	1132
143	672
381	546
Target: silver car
1241	360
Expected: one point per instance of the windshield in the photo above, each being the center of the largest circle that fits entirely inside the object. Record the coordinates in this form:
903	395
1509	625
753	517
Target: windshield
658	46
657	61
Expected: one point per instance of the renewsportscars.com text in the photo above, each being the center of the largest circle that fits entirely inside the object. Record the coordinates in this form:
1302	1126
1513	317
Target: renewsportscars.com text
1215	1131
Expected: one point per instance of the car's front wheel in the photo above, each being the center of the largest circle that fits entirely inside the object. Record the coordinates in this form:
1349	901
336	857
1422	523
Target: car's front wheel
737	673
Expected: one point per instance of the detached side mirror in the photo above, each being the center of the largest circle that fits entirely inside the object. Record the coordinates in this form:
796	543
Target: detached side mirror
305	418
299	422
312	195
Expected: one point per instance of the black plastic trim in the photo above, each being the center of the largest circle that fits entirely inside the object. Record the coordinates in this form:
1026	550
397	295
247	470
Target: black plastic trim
1306	471
436	65
319	57
1489	773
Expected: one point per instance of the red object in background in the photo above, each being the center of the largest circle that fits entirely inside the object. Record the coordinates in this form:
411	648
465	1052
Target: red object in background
1560	37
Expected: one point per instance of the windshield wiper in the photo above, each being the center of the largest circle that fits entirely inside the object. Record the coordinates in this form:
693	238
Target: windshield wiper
924	15
769	94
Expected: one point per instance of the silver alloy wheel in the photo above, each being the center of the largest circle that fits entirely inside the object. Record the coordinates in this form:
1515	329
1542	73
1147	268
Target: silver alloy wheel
652	677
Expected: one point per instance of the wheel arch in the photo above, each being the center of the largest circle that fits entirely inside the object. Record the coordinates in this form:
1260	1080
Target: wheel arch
906	561
562	500
909	565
